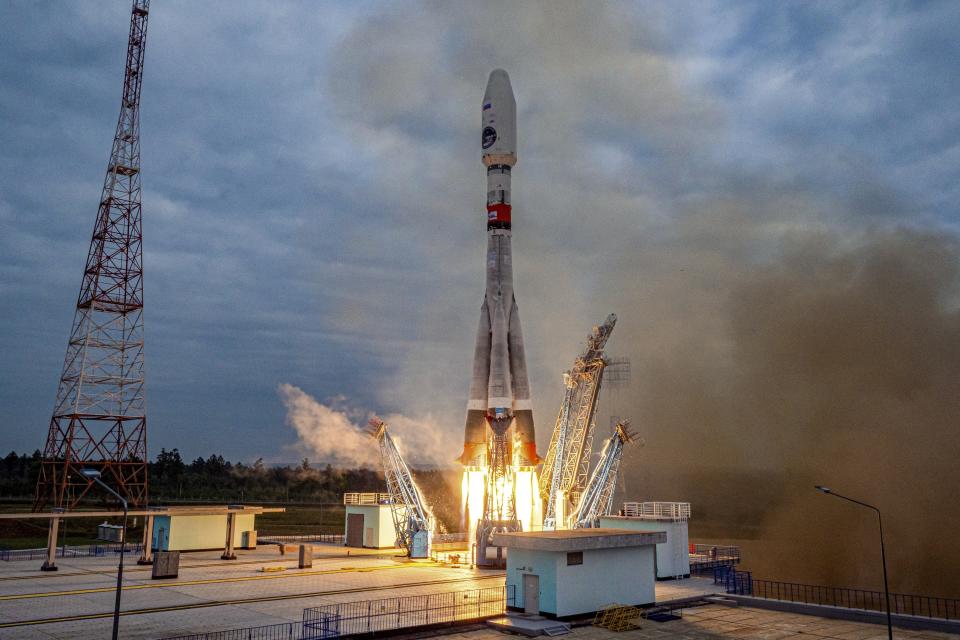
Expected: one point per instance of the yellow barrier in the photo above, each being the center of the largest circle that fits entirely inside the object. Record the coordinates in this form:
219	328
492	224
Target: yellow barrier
617	617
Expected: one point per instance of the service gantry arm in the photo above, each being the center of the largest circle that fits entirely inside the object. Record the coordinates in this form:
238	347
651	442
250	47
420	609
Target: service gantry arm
564	472
597	497
410	512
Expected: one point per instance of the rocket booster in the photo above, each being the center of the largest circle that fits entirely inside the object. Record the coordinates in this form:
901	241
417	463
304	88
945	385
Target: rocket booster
499	391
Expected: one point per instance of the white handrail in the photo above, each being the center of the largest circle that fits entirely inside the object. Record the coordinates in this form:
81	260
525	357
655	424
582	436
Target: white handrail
366	498
678	511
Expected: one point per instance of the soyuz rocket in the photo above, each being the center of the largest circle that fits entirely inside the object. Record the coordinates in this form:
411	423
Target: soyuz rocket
499	391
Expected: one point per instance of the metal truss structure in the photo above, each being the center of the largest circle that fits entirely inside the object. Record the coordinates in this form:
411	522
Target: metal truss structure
411	516
499	511
564	473
597	498
99	418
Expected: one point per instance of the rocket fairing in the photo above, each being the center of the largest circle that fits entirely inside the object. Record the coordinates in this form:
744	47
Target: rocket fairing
499	391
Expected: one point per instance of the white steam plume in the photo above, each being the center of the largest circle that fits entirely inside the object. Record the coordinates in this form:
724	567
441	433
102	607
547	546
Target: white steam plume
334	433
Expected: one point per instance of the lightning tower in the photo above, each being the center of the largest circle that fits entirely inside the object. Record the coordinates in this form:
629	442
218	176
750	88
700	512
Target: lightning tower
99	417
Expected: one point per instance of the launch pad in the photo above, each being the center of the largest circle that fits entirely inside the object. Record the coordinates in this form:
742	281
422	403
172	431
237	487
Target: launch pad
261	587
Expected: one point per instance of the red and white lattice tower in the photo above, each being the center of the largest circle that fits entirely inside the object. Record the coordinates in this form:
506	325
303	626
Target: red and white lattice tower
99	419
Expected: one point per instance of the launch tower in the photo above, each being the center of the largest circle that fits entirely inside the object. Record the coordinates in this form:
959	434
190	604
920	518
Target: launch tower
99	418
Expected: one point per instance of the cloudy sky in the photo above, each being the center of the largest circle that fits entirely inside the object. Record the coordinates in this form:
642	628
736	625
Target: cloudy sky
762	192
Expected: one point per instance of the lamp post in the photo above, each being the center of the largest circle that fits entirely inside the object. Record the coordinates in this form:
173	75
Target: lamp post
883	554
94	475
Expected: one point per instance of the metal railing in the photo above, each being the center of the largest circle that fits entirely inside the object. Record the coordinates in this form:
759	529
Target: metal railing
455	557
339	538
366	498
283	631
449	537
373	616
704	558
325	538
82	551
900	603
733	581
676	511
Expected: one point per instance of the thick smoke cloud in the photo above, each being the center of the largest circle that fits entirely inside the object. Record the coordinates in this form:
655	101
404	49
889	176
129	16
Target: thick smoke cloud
336	433
837	363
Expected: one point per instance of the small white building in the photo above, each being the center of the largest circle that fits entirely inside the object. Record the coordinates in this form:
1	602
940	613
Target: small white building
562	574
185	531
673	555
369	521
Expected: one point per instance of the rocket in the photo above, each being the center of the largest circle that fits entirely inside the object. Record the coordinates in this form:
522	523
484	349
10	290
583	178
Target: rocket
499	391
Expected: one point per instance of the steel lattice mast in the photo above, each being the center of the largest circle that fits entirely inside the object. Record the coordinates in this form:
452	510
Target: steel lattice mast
564	472
412	518
99	419
597	497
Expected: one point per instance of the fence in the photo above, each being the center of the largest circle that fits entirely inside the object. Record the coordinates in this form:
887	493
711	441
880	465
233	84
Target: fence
373	616
326	538
284	631
733	581
449	537
441	539
451	556
677	511
900	604
366	498
704	558
83	551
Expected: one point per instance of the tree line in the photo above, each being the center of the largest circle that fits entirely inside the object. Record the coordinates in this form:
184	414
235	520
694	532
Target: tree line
215	479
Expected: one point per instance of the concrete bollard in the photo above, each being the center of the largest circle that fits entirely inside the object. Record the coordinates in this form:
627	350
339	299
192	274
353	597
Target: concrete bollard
306	556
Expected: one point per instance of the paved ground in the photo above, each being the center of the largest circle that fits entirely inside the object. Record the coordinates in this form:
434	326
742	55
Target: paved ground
738	623
210	594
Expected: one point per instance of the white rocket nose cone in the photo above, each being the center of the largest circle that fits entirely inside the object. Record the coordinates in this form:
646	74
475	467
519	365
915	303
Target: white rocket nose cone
499	118
498	86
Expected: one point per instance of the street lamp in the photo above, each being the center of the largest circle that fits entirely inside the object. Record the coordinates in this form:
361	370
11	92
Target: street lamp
883	554
94	475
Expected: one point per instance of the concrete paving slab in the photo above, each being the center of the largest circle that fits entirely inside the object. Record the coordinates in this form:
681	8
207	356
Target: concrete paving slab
211	594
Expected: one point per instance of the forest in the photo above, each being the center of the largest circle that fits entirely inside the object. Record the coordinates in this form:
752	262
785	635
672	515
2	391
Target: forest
214	479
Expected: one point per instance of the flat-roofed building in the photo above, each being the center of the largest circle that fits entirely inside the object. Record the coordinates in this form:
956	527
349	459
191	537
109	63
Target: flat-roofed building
573	572
369	521
673	554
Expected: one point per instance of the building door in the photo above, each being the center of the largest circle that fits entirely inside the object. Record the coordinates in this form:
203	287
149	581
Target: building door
531	594
355	530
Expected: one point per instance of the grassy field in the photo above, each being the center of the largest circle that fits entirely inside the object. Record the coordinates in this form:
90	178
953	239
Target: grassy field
299	520
32	533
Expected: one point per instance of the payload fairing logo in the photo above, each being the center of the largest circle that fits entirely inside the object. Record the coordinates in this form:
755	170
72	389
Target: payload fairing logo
489	137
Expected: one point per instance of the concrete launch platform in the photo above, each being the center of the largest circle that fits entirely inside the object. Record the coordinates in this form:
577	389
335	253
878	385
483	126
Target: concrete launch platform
211	594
